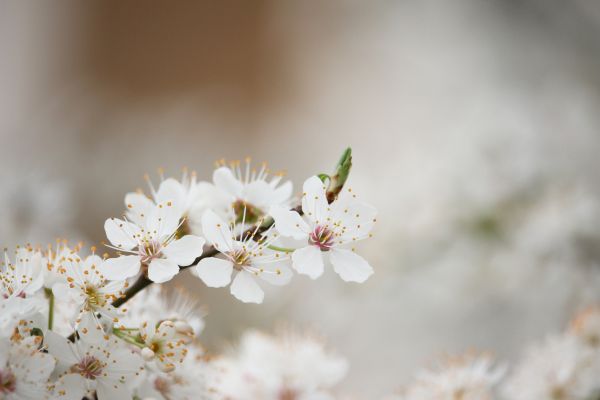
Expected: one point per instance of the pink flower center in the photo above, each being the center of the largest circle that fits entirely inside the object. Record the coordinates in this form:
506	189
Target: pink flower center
89	367
149	251
322	237
8	381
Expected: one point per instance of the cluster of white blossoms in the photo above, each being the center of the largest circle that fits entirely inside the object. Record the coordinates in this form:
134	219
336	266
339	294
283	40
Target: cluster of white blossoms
564	366
77	324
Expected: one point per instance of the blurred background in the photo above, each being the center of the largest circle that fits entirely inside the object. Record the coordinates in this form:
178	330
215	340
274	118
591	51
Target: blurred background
474	127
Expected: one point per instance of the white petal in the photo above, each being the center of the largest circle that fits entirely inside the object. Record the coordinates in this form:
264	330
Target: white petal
357	217
289	223
112	390
257	193
120	268
73	387
89	328
121	233
171	189
61	290
314	200
214	272
163	220
60	347
308	261
245	288
350	266
138	206
277	275
217	231
223	178
185	250
162	269
282	194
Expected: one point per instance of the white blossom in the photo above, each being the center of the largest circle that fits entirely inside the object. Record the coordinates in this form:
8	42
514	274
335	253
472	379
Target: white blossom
248	257
163	344
326	229
287	366
24	370
468	377
152	244
109	369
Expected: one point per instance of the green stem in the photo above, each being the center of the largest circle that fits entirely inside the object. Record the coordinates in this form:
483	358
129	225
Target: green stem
282	249
50	297
127	338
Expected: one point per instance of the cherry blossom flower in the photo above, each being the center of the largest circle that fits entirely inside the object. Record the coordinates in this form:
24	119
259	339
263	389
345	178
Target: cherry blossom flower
247	193
152	244
24	277
286	366
92	294
163	344
468	377
240	253
327	229
24	370
108	369
189	198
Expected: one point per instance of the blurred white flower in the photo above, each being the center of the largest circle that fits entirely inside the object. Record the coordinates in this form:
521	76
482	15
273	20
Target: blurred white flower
248	257
24	277
192	380
467	377
108	369
24	370
286	366
326	229
152	244
558	368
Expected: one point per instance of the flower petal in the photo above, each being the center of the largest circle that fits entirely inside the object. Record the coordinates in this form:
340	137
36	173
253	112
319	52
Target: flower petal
308	261
217	231
289	223
245	288
185	250
71	387
278	275
60	348
121	233
163	220
120	268
138	206
314	200
223	178
162	269
282	194
350	266
357	217
214	272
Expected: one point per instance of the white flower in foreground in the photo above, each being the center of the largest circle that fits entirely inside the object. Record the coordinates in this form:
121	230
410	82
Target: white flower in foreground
24	277
280	367
152	244
85	285
192	380
327	229
559	368
24	370
162	344
110	369
247	257
469	377
247	193
188	196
